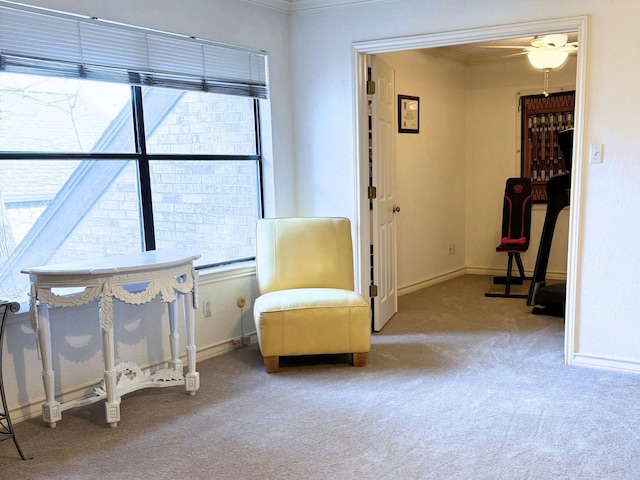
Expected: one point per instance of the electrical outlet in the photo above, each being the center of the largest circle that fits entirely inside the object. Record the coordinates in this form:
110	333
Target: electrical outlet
241	302
206	306
246	340
237	342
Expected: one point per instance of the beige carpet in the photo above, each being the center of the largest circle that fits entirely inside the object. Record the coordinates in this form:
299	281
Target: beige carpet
458	386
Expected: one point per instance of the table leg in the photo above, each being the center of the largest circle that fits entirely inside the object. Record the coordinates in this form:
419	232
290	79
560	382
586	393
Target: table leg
174	339
51	412
112	405
192	379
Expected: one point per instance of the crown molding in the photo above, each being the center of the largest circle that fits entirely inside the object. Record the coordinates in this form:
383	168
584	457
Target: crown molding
295	6
279	5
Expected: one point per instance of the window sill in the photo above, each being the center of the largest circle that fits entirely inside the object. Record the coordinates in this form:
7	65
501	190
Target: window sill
206	276
223	272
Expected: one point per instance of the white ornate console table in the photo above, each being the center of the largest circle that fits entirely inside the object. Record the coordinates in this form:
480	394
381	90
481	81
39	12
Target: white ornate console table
168	273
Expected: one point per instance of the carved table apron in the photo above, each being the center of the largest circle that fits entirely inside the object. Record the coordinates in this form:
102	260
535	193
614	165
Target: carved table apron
169	273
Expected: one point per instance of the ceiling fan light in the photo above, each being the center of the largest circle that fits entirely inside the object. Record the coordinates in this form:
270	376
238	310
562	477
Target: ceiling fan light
547	59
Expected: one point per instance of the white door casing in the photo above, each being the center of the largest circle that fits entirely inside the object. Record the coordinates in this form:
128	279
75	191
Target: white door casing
383	211
362	50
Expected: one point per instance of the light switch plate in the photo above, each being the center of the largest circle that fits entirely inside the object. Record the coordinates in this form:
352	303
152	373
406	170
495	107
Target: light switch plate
595	153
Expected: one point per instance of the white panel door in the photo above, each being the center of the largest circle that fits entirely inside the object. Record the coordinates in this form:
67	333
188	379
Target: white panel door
384	208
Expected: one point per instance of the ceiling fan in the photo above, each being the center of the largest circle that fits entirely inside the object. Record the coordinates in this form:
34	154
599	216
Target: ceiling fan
546	53
550	51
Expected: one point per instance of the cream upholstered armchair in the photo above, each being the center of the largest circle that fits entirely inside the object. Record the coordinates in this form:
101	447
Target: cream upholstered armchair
306	303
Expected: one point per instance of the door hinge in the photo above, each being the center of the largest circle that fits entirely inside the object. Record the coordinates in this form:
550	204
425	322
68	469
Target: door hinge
372	193
373	290
371	87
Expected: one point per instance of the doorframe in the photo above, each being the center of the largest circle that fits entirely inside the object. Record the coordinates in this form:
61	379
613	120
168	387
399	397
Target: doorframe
360	52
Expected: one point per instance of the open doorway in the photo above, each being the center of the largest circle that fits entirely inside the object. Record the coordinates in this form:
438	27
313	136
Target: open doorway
364	49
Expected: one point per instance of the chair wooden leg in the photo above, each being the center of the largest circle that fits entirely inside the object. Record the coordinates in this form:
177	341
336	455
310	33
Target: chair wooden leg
359	359
271	364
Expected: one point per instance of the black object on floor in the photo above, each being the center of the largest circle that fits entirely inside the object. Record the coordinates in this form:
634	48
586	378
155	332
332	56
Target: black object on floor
6	429
550	299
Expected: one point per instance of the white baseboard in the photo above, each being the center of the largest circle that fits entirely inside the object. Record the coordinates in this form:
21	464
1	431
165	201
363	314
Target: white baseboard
496	272
220	348
431	281
606	363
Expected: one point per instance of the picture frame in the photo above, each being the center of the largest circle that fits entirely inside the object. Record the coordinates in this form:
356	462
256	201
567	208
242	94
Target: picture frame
543	117
408	114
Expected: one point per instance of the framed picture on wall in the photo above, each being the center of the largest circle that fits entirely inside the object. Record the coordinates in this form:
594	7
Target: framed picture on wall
408	114
543	118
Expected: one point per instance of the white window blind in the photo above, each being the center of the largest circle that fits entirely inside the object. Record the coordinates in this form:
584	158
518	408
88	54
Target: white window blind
56	44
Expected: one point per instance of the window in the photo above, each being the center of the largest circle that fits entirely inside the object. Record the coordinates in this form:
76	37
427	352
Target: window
90	166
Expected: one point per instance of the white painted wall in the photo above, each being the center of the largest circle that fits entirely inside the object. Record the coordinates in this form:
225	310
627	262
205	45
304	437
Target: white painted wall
76	333
141	335
608	286
450	176
313	158
227	21
430	168
492	154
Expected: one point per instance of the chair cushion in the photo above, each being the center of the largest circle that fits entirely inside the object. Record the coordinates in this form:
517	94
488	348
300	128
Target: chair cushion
513	245
513	241
310	321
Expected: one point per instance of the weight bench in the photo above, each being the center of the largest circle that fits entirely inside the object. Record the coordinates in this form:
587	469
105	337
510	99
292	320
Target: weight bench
516	230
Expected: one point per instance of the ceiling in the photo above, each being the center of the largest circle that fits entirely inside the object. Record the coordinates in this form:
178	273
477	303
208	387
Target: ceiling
466	54
293	6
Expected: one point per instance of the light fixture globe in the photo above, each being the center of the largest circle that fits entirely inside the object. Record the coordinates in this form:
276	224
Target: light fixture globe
544	59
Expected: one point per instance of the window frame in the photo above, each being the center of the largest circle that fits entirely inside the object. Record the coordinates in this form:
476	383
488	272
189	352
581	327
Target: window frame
143	159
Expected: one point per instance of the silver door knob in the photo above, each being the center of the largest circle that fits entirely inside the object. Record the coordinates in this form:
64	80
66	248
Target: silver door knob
396	209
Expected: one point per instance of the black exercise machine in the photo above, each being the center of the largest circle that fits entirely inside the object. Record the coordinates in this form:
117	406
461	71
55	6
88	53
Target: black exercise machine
550	299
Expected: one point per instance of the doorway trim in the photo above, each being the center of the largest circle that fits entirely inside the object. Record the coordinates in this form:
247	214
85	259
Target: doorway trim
360	52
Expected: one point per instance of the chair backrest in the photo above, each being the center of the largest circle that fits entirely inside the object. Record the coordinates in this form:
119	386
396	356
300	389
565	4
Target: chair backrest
516	212
304	253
